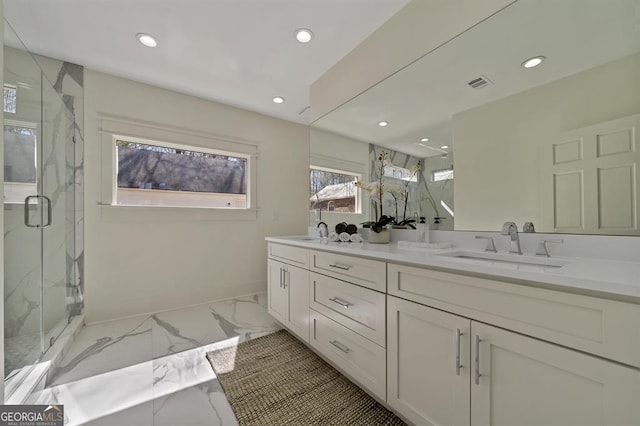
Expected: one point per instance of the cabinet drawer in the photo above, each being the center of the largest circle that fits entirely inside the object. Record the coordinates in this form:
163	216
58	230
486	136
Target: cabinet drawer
360	309
603	327
365	272
292	255
357	357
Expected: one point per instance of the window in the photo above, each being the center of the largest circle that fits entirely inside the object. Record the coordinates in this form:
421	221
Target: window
400	173
20	168
440	175
10	99
151	173
333	190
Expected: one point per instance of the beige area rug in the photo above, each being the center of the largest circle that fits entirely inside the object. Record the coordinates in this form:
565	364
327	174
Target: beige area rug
277	380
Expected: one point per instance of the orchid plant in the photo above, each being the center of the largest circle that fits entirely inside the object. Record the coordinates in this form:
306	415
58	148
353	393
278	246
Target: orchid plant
400	194
376	191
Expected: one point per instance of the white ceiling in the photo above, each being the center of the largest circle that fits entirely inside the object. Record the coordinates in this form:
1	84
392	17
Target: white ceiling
419	101
238	52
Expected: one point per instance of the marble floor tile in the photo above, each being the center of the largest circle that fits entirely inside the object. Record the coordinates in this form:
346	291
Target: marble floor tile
138	415
104	347
245	317
184	329
152	369
101	395
175	372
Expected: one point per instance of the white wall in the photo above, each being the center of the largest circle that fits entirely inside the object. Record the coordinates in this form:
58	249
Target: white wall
141	261
497	146
417	29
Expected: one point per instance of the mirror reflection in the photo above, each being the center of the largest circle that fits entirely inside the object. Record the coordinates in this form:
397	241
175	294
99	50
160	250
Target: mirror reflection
552	144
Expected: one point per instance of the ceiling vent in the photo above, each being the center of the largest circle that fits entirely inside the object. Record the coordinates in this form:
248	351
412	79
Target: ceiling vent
480	82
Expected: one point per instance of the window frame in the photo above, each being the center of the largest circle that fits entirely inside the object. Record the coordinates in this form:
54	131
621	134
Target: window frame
448	170
358	195
32	188
14	88
116	128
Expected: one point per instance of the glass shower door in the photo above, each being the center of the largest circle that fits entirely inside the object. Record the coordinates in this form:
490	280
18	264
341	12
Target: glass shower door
38	203
24	342
56	176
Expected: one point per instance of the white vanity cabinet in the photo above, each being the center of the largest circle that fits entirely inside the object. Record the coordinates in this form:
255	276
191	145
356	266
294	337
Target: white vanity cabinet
521	380
288	290
450	368
348	324
428	369
443	348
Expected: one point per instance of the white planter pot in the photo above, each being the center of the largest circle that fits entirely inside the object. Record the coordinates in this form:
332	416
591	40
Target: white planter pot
381	237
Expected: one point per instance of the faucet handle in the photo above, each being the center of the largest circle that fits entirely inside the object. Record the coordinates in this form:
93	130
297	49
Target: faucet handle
490	244
528	227
509	227
542	247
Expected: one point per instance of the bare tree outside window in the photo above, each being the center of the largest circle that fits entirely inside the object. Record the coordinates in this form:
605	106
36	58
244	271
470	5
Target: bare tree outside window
332	191
152	173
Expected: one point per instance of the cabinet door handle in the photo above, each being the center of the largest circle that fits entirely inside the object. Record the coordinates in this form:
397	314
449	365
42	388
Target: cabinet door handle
341	302
281	277
340	346
477	360
458	365
284	277
338	266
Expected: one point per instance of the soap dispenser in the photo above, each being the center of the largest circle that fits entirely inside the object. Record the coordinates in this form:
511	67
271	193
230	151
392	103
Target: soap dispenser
423	230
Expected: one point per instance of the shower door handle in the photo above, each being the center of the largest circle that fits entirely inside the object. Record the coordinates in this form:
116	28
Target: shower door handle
42	198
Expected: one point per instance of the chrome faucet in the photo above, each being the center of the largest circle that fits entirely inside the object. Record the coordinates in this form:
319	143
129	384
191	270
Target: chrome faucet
510	229
324	231
542	247
491	247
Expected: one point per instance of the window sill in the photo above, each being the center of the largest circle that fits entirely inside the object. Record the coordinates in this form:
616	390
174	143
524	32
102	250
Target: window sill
130	213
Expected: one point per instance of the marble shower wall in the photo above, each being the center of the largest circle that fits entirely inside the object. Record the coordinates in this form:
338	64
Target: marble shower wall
424	196
68	81
61	130
401	160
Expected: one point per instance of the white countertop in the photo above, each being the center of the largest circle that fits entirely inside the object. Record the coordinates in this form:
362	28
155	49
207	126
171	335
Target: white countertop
611	279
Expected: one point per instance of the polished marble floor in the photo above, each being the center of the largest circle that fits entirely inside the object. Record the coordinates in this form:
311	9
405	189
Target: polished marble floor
152	370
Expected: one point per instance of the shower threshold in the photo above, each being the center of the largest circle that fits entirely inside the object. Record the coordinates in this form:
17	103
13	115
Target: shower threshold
31	378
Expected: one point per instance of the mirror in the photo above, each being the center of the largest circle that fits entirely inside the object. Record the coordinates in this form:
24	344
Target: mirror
553	144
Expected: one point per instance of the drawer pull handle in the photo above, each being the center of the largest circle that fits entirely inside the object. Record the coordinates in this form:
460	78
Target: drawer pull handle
341	302
340	346
458	364
338	266
477	360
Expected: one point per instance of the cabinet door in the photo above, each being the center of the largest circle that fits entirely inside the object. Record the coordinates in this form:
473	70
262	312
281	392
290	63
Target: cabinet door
277	293
297	284
424	382
524	381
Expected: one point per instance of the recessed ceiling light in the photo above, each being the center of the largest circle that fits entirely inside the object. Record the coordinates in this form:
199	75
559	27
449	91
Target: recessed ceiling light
444	146
424	140
383	123
533	62
147	40
304	35
278	100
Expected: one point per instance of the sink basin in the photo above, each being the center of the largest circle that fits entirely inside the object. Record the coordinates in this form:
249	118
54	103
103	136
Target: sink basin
305	238
505	259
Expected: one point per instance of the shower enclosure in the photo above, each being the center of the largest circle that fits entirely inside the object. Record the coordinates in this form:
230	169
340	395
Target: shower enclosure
40	269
